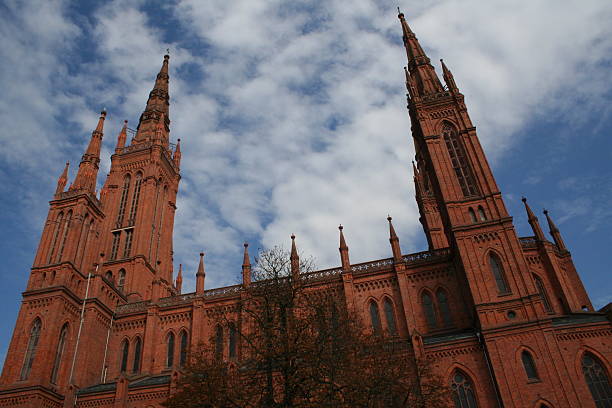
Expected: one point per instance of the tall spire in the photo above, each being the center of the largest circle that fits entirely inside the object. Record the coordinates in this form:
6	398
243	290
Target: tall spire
177	153
295	259
419	66
179	279
394	241
63	179
556	234
88	168
344	251
246	266
157	111
200	275
121	138
448	77
533	221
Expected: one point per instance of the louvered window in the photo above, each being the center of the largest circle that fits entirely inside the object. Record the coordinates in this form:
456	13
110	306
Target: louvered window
459	160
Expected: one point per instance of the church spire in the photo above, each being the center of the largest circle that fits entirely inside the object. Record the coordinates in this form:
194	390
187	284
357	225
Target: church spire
556	234
295	259
121	138
179	279
394	240
246	266
448	77
533	221
419	66
88	168
200	275
62	180
177	154
157	111
344	251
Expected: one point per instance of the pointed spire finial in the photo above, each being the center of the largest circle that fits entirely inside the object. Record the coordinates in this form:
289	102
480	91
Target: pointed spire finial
554	231
179	279
246	261
62	180
533	221
344	251
295	259
177	153
394	241
246	266
87	174
200	275
122	137
157	104
448	76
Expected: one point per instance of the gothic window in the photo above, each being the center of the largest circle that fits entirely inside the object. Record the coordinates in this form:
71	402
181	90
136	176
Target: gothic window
64	235
115	246
58	227
31	349
375	317
463	391
529	365
124	195
428	309
170	350
598	381
232	340
59	353
498	273
219	342
109	276
459	160
542	292
85	241
472	215
135	198
125	350
444	308
183	349
128	242
390	316
481	214
121	280
137	355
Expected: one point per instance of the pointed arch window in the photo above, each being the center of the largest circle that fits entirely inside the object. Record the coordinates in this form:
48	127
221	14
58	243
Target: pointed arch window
232	340
127	249
170	350
121	280
60	252
219	342
529	365
183	349
109	276
125	350
472	215
445	312
137	355
463	391
31	349
375	318
598	381
498	273
135	198
428	309
58	228
390	316
459	160
115	246
124	196
85	241
59	353
481	214
542	291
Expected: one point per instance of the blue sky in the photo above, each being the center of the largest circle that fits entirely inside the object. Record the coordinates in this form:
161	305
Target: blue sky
292	119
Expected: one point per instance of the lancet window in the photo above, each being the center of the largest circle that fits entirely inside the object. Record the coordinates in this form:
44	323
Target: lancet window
375	317
183	348
115	245
137	355
498	273
219	342
463	391
125	350
59	353
58	227
428	309
529	365
390	316
31	349
64	236
598	381
481	214
542	291
124	196
135	198
459	160
472	215
445	312
232	340
127	249
170	350
121	280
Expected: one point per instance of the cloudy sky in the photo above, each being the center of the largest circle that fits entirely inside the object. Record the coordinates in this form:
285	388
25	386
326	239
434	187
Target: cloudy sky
292	118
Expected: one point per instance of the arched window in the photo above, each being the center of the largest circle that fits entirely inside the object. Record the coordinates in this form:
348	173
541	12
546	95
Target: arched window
472	215
463	391
390	316
481	214
219	341
375	317
445	312
127	248
529	365
498	273
59	353
121	280
137	355
124	195
597	380
183	349
109	276
125	350
428	309
58	228
232	340
86	240
115	247
64	236
459	160
542	291
170	350
135	198
31	349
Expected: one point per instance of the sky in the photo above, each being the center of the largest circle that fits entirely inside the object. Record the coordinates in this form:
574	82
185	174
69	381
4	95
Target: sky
292	118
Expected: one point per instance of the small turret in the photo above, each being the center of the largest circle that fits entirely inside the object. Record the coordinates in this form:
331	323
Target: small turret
200	275
246	266
179	279
62	180
122	137
394	240
344	251
177	153
533	221
87	175
295	260
448	77
556	234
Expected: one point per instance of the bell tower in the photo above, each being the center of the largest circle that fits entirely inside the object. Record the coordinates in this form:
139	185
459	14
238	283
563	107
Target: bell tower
139	198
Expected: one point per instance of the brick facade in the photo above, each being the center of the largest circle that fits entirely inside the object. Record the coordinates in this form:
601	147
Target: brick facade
503	317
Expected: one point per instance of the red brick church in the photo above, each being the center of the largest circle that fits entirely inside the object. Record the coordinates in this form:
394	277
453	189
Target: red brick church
505	320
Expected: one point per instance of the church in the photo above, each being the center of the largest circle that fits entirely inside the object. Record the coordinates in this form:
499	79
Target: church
505	320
